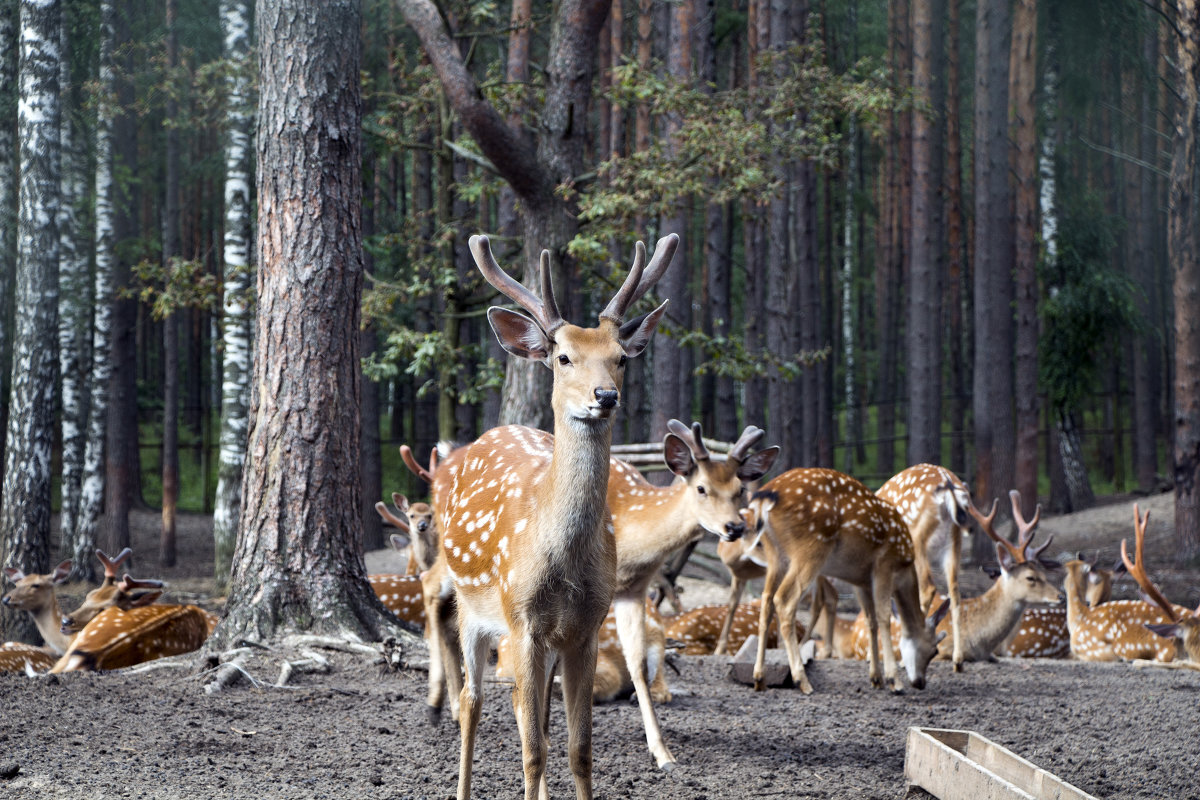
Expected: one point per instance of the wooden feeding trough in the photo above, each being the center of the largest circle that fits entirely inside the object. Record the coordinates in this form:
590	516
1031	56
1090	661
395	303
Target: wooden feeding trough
962	765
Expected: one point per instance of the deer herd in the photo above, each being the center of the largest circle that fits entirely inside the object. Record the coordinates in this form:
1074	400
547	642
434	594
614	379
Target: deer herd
545	546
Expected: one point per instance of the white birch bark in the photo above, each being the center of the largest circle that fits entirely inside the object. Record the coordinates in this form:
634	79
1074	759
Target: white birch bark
235	378
8	195
91	495
73	304
25	517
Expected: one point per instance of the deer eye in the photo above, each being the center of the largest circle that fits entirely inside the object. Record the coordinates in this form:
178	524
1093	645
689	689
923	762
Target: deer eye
701	490
621	362
564	360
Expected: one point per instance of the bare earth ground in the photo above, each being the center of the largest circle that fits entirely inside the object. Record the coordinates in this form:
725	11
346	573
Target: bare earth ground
360	730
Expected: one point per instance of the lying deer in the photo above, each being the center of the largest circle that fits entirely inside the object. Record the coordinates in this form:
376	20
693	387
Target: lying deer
934	503
822	522
36	594
704	629
1184	626
1043	632
111	593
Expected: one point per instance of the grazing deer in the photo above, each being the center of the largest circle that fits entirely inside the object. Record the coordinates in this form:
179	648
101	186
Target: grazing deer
705	628
818	521
1115	630
1184	625
527	539
934	503
36	594
1043	632
420	529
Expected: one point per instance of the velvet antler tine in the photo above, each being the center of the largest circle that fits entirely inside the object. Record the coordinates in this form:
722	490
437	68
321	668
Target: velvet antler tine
700	449
481	250
692	437
1138	570
1025	528
554	319
406	455
664	253
624	298
749	438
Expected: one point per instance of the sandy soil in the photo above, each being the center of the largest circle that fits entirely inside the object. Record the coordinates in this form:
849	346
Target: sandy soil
359	730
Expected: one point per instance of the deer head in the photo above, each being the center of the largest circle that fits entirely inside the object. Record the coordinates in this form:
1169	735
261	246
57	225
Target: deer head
126	594
33	593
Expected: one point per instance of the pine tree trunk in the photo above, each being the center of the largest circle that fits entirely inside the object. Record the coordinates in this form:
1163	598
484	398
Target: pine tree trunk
25	509
1146	365
236	330
8	199
1183	255
91	496
73	302
1023	88
170	324
299	561
956	246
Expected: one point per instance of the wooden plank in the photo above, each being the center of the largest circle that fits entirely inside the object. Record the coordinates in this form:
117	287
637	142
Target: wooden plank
962	765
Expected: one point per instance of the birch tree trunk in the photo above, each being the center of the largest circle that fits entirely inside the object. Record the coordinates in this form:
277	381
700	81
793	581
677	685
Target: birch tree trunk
299	560
91	495
25	515
235	332
8	198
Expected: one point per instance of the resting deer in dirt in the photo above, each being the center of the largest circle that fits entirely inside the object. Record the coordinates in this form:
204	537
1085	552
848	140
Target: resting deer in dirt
111	593
36	594
1118	629
527	538
701	629
1184	626
934	503
420	530
1043	632
822	522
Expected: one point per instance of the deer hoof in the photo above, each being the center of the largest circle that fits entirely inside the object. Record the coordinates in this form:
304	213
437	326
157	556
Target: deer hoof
667	766
759	684
805	687
434	715
958	666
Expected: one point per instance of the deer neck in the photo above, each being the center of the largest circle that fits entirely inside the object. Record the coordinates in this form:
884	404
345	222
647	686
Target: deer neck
908	603
1076	603
993	615
651	525
572	496
47	618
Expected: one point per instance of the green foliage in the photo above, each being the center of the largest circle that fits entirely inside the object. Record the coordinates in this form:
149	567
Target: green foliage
1088	304
181	284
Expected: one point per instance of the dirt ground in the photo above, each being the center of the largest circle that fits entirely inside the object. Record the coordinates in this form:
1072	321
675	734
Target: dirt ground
359	730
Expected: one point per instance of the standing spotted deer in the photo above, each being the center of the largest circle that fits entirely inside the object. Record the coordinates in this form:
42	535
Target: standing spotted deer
527	539
934	503
822	522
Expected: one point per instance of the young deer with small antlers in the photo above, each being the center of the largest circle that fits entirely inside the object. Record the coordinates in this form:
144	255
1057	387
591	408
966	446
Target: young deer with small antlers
1043	631
124	594
1118	629
934	503
818	521
1184	625
528	540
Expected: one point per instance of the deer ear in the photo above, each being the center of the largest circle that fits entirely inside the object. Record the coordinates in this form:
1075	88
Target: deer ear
13	574
400	501
62	572
398	542
678	455
635	334
1006	560
991	571
519	335
758	464
146	598
1167	631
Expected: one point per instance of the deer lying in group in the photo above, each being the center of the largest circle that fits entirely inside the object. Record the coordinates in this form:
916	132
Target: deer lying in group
1043	631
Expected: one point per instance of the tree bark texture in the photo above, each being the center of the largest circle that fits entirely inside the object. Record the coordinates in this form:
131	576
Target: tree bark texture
170	324
993	377
25	511
956	246
8	199
299	563
1185	260
236	322
1023	89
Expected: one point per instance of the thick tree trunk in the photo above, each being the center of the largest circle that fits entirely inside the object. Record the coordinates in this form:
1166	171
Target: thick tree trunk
1146	364
25	509
8	199
299	561
993	377
91	496
1184	257
956	246
1023	88
74	298
235	330
170	324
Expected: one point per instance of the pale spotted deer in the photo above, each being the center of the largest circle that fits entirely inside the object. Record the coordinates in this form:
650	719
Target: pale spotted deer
934	503
27	658
746	562
527	538
420	531
1115	630
36	594
1043	631
703	628
1184	626
822	522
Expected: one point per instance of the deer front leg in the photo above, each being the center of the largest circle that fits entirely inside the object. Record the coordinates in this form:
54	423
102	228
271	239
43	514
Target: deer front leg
631	630
529	695
881	589
867	603
578	673
950	562
766	608
735	595
475	649
787	598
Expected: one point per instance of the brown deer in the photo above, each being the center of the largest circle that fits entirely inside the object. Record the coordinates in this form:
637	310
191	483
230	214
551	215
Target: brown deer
1184	625
934	503
111	592
1043	631
420	531
704	628
527	539
822	522
36	594
1118	629
746	562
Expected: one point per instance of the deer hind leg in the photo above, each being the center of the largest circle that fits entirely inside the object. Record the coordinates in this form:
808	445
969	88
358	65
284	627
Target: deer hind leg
475	650
445	657
950	562
578	674
631	630
765	611
867	603
735	595
796	580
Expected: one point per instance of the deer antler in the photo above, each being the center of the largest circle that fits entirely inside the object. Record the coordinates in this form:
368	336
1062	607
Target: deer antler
692	437
406	454
111	564
641	277
985	524
544	310
750	437
387	515
1150	592
1025	529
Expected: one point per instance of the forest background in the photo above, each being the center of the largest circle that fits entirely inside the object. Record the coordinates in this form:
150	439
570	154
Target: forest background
926	230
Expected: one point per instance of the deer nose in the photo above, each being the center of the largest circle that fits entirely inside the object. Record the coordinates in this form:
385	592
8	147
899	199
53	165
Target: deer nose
422	526
735	529
6	601
607	398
